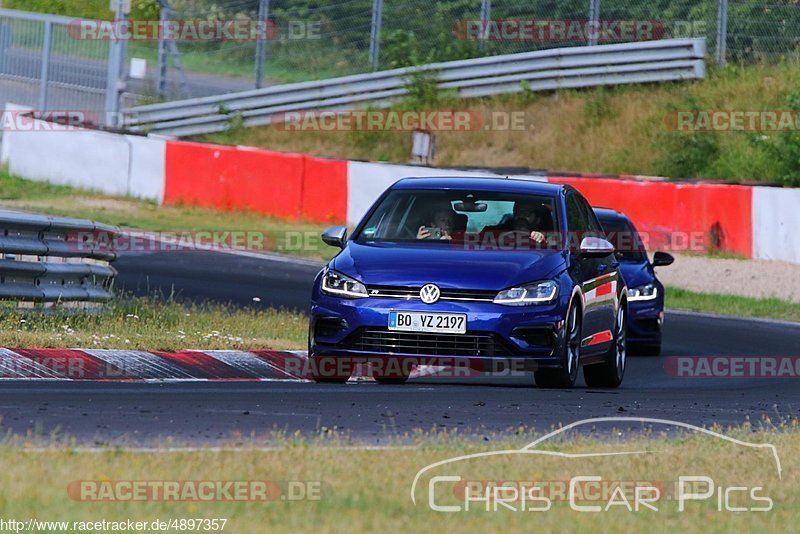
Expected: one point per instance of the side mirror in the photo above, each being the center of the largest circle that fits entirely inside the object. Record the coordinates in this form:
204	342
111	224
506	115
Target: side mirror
662	259
595	247
335	236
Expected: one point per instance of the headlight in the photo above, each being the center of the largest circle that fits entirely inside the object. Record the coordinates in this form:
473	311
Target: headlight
525	295
646	292
340	285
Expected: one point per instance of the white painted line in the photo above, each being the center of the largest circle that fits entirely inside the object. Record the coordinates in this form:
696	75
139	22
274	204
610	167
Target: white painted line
775	322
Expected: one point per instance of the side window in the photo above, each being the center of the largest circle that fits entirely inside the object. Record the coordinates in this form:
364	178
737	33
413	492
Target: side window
593	225
576	220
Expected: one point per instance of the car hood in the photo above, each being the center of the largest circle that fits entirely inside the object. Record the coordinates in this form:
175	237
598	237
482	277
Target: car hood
636	274
409	264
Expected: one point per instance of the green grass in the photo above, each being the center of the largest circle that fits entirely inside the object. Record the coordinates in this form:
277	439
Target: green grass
362	490
770	308
297	238
156	324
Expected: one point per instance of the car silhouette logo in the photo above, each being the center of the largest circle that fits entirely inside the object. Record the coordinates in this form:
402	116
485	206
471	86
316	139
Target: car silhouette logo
429	293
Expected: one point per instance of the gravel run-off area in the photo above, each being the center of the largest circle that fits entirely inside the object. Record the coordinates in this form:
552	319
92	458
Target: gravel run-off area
747	278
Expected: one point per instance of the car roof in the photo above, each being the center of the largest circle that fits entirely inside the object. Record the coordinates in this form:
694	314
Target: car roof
608	213
503	185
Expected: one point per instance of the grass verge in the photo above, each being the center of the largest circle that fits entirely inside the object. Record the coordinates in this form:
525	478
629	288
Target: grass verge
156	324
296	238
619	130
770	308
344	490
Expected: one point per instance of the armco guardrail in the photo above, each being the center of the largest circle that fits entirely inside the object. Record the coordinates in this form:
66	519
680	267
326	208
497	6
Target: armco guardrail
650	61
54	259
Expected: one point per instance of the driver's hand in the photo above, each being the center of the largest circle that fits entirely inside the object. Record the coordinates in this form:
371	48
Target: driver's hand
446	236
423	233
537	236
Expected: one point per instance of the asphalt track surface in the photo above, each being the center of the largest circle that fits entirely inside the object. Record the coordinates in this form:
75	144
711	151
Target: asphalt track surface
485	407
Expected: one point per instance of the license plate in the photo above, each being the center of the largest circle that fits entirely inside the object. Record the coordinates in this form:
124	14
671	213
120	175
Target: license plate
443	323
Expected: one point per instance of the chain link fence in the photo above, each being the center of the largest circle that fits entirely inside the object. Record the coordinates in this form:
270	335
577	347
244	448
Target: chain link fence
42	66
313	40
307	40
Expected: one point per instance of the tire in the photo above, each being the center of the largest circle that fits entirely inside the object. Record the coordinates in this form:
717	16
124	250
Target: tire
610	373
330	370
320	366
390	379
648	350
393	375
565	376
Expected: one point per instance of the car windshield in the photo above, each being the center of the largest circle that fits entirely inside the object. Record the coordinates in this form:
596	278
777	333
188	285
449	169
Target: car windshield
625	238
477	219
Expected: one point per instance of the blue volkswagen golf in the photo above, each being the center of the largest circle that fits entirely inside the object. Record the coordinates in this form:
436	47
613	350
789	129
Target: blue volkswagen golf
494	274
645	291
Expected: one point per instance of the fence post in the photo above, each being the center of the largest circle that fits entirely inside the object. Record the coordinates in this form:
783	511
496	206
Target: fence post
115	64
722	31
163	54
44	77
486	15
261	42
594	21
5	45
375	33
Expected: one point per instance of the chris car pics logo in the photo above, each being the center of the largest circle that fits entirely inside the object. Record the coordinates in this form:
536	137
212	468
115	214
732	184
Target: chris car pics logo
451	485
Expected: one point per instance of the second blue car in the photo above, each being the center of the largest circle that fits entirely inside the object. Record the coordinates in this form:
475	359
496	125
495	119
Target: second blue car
645	291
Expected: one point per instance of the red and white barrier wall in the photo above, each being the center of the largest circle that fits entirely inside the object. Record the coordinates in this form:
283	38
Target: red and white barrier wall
754	222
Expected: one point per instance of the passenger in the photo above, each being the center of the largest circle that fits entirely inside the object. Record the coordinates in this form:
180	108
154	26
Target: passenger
444	219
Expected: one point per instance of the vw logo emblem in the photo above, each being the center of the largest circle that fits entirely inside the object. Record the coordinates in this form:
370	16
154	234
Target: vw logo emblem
429	293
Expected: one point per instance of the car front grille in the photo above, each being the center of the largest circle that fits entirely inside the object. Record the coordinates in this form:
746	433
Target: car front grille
382	341
412	293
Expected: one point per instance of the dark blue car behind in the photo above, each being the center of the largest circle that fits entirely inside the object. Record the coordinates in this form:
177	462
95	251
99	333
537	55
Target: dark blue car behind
645	291
488	273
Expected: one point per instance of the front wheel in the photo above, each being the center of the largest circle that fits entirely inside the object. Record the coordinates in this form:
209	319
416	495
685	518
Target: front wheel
330	370
609	374
383	379
566	375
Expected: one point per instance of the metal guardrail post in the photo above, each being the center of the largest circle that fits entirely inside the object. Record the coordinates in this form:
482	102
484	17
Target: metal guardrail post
261	42
375	34
540	70
722	32
54	260
594	21
44	77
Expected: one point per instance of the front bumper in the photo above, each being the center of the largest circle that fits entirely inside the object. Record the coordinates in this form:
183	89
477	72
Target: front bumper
498	337
645	321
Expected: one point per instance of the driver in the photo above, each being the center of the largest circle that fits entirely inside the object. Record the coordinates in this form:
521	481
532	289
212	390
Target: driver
526	218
